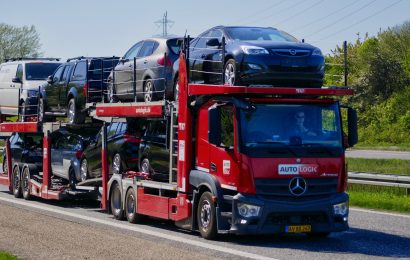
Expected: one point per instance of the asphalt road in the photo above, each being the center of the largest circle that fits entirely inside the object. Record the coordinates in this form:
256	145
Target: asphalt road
79	230
378	154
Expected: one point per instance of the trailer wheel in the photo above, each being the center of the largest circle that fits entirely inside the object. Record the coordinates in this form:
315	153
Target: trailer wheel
116	202
26	183
206	216
16	182
130	207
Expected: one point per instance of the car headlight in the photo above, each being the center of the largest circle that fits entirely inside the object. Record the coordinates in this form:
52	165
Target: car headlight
317	52
247	210
341	209
32	93
254	50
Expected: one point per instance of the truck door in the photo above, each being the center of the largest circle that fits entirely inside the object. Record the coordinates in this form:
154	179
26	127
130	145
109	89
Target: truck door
52	90
223	159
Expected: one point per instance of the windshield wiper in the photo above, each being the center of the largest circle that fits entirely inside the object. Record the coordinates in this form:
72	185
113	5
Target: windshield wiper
326	149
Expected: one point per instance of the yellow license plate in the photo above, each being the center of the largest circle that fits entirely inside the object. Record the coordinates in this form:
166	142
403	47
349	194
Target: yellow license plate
298	229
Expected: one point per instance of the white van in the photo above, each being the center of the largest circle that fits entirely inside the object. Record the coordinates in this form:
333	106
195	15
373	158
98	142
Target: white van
20	80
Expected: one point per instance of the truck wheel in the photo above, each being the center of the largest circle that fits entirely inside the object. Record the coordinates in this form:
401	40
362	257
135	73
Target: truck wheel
116	202
16	182
116	164
206	216
26	183
130	207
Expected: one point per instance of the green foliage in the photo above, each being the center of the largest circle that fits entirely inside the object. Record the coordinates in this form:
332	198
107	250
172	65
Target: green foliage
18	41
379	72
6	256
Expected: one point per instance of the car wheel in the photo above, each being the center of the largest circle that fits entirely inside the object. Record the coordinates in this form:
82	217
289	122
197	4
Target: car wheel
40	110
176	89
23	111
16	182
25	185
230	73
112	97
116	164
74	116
206	216
84	170
148	90
130	210
145	166
116	202
72	180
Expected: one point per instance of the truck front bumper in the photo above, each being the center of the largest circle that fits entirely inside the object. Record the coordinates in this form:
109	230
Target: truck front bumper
277	216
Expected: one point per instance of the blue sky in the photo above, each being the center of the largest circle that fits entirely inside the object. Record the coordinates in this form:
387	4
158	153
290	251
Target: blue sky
72	28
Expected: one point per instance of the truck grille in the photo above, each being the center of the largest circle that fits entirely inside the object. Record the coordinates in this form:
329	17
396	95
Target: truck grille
280	187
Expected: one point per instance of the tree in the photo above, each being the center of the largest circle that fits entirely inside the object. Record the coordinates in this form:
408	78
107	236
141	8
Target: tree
18	41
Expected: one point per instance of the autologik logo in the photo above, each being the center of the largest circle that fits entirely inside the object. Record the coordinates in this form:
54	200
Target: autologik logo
294	169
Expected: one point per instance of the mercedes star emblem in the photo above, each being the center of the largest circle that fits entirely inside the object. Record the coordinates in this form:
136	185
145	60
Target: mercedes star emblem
297	186
292	52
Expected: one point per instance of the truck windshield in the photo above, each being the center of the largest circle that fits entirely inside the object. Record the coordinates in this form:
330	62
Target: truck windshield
291	130
40	70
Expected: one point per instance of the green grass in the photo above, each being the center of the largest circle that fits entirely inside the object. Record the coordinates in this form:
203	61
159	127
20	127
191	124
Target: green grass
393	166
376	197
6	256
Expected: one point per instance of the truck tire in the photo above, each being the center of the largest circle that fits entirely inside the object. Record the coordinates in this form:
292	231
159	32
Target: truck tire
206	216
116	202
16	183
25	183
130	207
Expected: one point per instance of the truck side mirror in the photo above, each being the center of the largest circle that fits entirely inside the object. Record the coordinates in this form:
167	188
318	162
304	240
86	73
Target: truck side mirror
16	80
352	126
214	125
50	79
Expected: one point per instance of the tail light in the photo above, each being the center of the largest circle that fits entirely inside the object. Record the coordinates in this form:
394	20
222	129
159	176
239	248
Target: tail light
161	61
85	89
132	139
79	154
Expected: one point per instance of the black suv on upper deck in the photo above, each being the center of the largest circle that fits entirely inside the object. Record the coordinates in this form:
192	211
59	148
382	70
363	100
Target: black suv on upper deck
79	80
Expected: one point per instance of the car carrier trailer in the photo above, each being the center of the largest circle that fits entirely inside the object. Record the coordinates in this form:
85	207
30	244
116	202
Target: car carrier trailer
220	179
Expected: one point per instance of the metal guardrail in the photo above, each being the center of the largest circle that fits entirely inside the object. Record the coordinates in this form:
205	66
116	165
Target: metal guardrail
387	180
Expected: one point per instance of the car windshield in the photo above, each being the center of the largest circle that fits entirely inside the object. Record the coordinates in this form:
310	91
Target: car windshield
288	130
40	70
174	45
259	34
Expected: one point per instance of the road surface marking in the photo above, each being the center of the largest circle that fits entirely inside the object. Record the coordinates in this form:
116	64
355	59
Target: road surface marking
141	230
380	212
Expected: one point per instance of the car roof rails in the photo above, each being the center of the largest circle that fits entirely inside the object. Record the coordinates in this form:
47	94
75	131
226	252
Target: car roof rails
30	58
91	58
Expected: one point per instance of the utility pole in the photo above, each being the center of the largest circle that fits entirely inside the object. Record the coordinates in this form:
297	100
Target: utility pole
164	23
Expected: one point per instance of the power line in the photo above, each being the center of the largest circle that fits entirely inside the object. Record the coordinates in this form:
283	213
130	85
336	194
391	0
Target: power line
296	14
297	29
362	20
342	18
164	23
276	11
258	12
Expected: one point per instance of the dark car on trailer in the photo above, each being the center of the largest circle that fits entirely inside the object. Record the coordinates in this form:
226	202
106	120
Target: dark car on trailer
153	71
123	140
254	56
75	82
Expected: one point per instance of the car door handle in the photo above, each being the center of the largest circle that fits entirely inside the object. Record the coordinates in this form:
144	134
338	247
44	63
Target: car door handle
130	66
203	56
145	61
213	167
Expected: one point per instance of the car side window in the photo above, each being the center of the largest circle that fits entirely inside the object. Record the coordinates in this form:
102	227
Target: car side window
57	74
73	143
66	71
202	40
79	71
216	34
146	49
19	72
131	53
121	128
112	129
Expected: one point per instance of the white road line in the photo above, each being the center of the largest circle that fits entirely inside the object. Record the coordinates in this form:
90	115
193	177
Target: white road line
141	230
380	212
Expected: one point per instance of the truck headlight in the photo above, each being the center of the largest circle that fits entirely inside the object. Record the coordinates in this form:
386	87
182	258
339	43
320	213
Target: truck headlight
247	210
341	209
